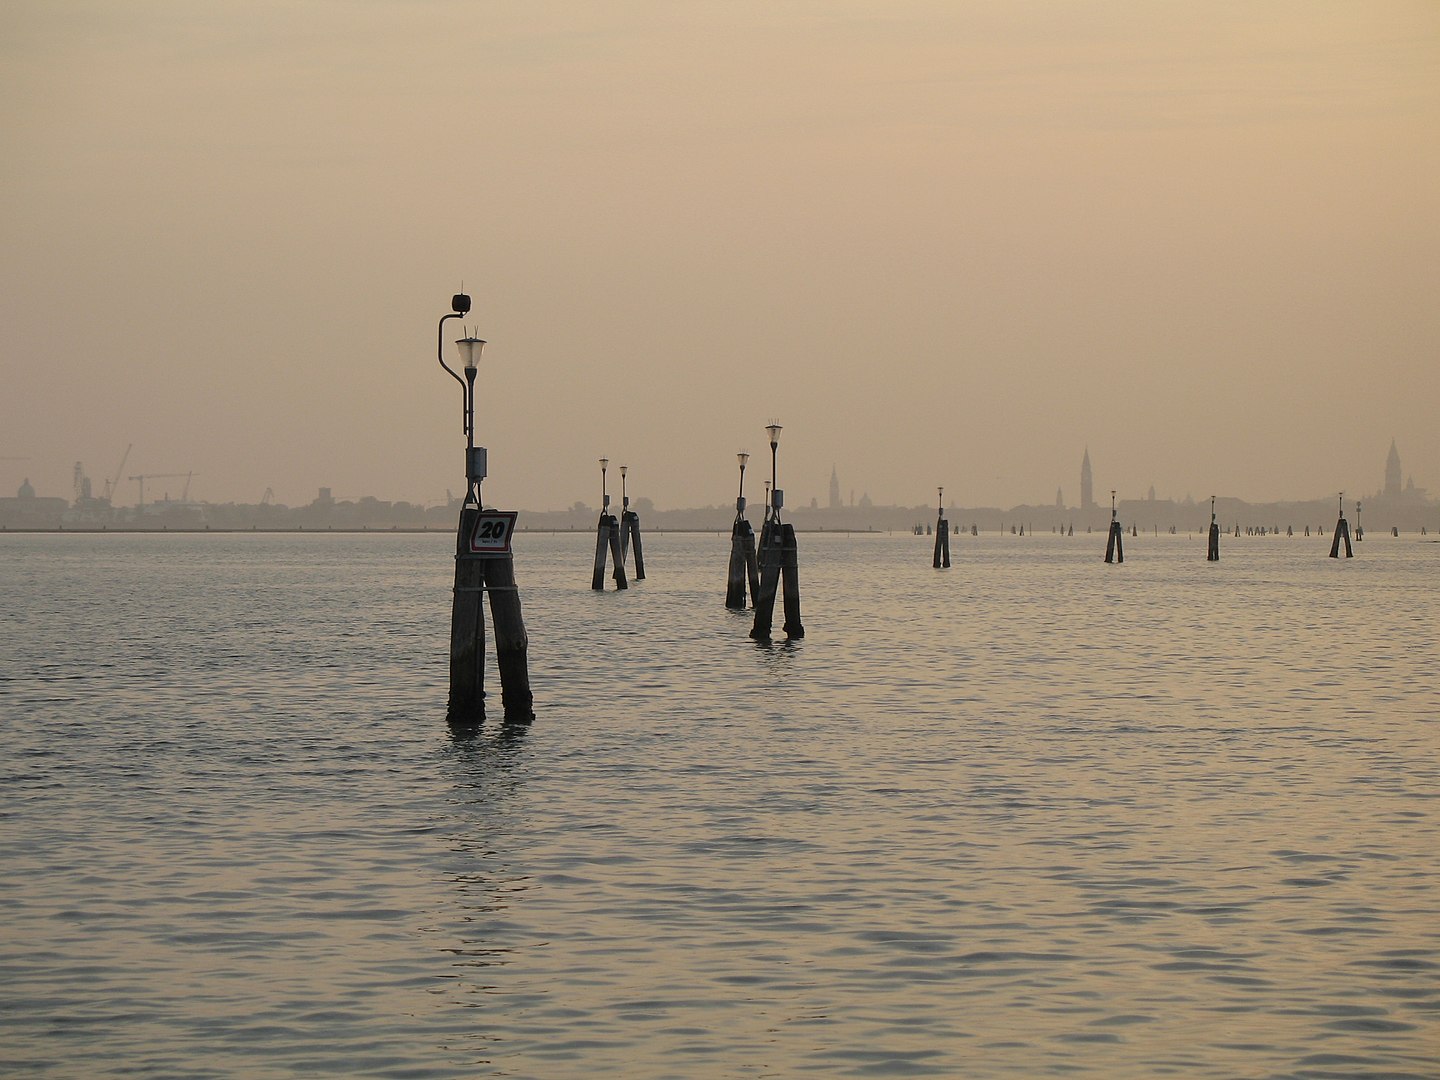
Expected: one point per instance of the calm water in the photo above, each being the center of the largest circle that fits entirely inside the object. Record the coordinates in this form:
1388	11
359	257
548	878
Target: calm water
1032	816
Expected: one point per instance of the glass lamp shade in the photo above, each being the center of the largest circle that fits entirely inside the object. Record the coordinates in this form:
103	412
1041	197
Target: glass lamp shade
604	463
742	458
623	470
470	352
774	430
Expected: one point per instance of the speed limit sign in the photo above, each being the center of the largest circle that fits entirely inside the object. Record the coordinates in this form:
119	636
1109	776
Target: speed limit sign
492	533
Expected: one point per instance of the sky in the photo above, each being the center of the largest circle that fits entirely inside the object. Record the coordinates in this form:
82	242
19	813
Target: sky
943	242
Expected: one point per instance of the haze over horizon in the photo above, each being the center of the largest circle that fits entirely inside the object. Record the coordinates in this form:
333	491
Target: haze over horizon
942	242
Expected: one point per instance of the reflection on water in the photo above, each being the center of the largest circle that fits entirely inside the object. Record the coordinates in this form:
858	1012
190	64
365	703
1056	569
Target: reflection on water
1032	816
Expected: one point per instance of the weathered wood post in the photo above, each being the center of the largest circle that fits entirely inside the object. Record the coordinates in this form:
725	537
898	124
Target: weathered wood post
467	628
779	556
483	562
790	582
1342	534
607	539
942	537
630	529
743	565
1212	554
1115	545
1359	529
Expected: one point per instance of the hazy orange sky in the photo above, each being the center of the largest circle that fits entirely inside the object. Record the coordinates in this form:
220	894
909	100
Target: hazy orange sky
942	241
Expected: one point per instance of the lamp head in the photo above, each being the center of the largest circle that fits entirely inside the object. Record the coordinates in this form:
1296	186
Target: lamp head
469	348
604	464
623	470
460	304
742	457
774	430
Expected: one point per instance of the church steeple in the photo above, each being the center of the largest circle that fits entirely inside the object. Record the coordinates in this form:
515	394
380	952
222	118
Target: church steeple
1392	472
834	489
1087	487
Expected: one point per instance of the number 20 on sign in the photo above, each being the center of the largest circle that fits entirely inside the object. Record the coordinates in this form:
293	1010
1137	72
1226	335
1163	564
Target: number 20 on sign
493	530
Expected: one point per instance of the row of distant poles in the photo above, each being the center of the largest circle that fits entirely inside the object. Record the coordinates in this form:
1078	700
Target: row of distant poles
1115	542
485	565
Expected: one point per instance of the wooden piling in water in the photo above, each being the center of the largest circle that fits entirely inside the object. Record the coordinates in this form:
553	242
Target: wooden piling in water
475	575
512	644
1115	543
779	557
1341	534
942	537
1212	553
743	567
607	541
467	629
770	560
617	555
790	582
630	541
602	549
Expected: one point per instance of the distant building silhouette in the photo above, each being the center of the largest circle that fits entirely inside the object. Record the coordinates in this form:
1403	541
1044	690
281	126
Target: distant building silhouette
26	491
835	503
1087	487
1059	498
1392	473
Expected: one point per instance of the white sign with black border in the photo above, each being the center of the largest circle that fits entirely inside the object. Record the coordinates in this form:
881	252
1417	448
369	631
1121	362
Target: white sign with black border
493	530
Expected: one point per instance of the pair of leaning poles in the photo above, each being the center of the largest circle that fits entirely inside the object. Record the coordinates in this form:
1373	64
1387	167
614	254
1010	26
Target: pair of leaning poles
483	564
744	568
1115	542
779	557
942	537
616	537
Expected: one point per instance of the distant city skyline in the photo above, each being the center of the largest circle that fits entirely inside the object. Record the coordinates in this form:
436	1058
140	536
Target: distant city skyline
942	243
1393	482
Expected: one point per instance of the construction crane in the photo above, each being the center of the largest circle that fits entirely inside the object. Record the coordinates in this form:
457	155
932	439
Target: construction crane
157	476
113	485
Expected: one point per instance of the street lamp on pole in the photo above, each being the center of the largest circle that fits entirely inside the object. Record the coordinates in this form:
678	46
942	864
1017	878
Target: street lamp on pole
469	347
743	458
604	493
624	498
777	498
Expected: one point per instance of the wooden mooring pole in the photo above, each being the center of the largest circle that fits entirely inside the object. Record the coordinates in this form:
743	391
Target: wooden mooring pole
630	529
744	568
607	539
1115	545
1212	553
779	559
1342	534
483	563
478	572
942	537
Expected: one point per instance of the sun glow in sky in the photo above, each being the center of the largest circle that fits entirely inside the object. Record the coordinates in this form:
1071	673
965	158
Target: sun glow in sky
943	242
